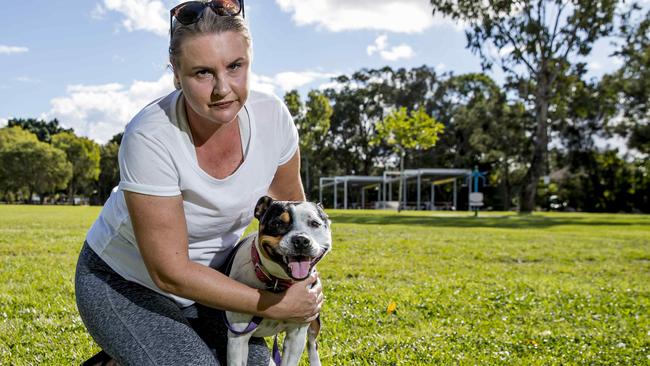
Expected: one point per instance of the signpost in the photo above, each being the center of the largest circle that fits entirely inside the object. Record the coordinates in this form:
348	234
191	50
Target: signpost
476	197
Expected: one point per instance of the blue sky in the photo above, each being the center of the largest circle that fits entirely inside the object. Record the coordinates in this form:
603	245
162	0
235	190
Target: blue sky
94	63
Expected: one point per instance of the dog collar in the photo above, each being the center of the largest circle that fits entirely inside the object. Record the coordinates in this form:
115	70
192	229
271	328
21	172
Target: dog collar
273	283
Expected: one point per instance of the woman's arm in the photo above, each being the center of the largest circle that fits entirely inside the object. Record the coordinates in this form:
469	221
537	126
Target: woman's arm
161	232
287	185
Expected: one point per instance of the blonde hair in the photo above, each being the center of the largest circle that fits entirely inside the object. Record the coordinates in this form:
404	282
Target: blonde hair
209	23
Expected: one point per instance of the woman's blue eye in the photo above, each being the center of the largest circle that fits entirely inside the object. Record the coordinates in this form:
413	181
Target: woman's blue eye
235	66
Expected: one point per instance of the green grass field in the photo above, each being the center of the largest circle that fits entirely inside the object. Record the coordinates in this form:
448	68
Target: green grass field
498	289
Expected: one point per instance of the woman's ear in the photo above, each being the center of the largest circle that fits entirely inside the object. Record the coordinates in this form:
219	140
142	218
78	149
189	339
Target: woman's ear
177	80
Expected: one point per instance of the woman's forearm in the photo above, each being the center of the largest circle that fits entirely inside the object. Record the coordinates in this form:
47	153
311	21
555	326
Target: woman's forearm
212	288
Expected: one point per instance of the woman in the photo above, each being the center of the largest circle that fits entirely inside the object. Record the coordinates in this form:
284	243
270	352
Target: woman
192	166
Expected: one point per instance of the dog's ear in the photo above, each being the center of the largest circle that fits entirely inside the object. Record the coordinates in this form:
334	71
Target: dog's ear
322	214
262	205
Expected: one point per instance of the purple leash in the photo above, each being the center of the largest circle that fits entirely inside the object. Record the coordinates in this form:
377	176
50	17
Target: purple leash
254	323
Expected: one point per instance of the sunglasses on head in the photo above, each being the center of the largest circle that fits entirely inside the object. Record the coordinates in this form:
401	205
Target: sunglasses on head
190	12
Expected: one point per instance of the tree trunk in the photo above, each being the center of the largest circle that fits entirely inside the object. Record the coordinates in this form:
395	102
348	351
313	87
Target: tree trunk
540	150
506	199
71	191
400	193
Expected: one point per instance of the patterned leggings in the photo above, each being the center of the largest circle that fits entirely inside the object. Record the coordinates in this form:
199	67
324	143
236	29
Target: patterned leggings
138	326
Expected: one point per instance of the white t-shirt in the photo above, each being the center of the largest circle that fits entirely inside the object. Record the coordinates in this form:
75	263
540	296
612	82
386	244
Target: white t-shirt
157	157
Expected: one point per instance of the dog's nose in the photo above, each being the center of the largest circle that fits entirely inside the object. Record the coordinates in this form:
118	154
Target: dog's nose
300	242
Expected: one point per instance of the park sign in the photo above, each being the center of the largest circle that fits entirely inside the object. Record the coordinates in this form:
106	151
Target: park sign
476	199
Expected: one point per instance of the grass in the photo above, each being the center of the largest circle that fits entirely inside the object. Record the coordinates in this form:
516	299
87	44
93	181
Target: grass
542	289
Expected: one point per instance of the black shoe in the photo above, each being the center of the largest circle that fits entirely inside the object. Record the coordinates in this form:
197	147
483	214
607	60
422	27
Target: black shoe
101	358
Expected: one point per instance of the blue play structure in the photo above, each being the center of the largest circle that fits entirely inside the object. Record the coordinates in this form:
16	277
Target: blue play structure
476	197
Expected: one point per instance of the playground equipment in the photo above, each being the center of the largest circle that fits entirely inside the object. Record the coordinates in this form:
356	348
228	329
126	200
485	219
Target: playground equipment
383	187
476	197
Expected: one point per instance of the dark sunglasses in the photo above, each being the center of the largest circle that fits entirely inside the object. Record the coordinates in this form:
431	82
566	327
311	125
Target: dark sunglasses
190	12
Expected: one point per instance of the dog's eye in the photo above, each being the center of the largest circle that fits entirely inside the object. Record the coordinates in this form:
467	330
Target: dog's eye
315	224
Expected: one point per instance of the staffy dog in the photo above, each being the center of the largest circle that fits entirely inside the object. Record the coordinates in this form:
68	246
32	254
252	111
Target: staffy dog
292	238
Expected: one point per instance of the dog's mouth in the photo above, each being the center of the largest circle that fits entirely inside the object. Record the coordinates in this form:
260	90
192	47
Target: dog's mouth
298	267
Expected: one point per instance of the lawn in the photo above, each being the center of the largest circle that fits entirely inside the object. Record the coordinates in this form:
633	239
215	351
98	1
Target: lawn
498	289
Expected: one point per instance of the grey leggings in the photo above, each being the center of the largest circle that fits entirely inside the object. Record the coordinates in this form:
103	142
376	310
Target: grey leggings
138	326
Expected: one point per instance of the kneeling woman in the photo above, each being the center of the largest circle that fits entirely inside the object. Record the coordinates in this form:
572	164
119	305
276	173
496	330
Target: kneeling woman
192	166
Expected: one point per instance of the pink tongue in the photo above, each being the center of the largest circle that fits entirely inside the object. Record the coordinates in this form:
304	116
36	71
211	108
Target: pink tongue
299	269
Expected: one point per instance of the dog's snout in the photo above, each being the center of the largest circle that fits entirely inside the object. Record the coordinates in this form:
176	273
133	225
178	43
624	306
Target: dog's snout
300	242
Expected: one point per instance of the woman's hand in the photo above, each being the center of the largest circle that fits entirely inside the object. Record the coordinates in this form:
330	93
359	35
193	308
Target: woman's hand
299	303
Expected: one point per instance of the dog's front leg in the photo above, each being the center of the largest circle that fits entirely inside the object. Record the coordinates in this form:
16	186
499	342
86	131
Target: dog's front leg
312	344
238	349
294	344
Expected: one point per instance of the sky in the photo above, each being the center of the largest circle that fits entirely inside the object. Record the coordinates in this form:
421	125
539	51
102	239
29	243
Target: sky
93	64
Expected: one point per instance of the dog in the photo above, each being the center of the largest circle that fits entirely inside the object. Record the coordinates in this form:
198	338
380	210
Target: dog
292	237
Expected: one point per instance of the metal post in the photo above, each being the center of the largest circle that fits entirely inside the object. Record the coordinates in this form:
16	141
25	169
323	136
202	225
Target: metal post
336	201
433	196
405	190
455	197
419	193
363	197
345	194
320	190
469	191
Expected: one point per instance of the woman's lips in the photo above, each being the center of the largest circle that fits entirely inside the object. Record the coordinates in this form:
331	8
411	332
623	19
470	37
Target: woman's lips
222	105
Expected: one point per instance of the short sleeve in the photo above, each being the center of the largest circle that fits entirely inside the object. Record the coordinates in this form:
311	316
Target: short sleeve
146	166
288	135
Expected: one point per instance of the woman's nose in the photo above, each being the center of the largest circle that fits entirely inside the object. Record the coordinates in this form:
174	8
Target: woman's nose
221	87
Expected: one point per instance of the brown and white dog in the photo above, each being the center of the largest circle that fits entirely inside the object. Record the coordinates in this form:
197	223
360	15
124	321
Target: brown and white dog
292	238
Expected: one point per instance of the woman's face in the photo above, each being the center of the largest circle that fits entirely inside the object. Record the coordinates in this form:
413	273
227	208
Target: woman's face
213	73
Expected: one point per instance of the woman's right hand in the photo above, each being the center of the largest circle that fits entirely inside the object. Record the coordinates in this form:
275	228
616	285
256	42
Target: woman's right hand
301	302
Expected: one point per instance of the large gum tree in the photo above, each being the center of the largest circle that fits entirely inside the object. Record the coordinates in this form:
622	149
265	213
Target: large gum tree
534	43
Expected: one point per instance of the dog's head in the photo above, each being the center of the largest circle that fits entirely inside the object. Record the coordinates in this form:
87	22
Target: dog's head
294	235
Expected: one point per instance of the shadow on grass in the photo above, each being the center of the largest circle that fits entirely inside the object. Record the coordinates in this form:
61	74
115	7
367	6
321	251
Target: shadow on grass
506	221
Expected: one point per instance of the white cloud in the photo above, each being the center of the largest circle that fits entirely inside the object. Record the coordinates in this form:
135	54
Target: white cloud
3	121
262	83
10	50
594	66
27	79
147	15
617	60
101	111
441	67
288	80
404	16
402	51
98	12
379	45
291	80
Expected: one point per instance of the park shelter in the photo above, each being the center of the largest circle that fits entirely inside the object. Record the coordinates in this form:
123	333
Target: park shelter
422	178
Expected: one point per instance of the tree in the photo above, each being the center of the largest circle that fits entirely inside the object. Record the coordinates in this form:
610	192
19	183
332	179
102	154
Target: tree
482	128
84	155
31	165
632	80
12	135
402	130
535	42
313	123
43	130
109	170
